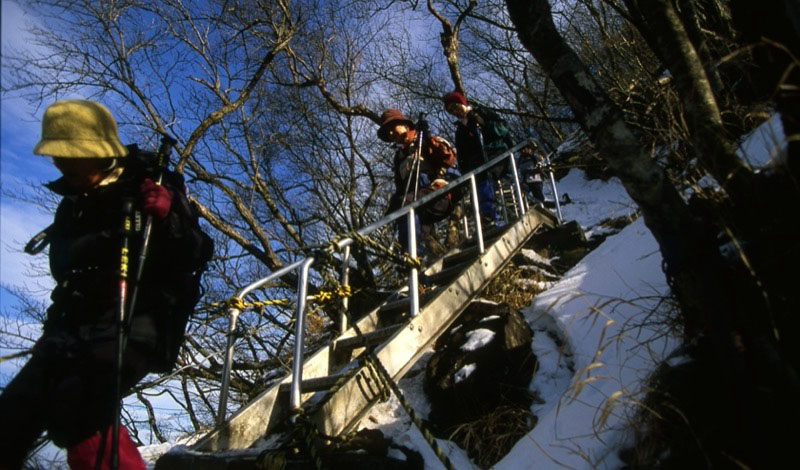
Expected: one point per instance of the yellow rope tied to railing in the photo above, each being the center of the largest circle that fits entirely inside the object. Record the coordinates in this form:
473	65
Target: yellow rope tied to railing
326	296
412	262
235	302
320	298
239	304
380	250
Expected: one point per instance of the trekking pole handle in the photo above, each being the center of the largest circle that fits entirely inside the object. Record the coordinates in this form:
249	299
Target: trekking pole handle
164	150
39	242
422	125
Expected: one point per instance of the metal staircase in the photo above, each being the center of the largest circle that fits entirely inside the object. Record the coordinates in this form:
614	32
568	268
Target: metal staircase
397	332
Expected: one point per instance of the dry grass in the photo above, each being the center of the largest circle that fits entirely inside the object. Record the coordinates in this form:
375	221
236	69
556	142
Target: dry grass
491	437
504	289
315	324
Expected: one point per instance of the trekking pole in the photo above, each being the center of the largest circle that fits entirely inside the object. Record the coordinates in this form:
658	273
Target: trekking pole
487	173
415	164
422	129
418	160
124	321
408	181
127	212
167	143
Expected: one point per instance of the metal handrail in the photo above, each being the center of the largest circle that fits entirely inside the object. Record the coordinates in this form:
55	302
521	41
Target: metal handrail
299	332
234	315
344	244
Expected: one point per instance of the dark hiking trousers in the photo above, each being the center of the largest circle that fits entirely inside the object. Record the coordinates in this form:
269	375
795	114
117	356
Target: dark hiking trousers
66	389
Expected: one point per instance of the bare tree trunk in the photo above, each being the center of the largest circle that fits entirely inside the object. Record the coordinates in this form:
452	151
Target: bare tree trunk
664	211
662	24
712	295
694	29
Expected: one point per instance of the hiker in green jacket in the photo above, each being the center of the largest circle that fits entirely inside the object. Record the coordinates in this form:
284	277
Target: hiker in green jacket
480	136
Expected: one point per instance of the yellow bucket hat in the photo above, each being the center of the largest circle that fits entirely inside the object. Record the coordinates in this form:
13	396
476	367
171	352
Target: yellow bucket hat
79	129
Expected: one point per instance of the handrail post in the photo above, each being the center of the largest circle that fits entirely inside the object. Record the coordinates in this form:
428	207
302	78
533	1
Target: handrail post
513	200
413	278
226	370
345	282
299	333
476	211
517	186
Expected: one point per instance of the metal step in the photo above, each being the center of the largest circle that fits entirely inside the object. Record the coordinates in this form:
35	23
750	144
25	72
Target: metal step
469	248
365	340
400	306
317	384
449	273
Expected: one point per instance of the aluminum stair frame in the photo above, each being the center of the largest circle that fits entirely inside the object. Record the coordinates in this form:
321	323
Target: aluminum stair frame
348	405
398	354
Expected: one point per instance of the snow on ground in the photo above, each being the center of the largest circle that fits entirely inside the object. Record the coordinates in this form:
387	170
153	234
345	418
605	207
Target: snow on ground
591	333
597	312
394	422
764	145
592	201
477	339
594	352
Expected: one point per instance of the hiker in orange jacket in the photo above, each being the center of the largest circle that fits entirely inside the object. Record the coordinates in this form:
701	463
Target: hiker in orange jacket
418	172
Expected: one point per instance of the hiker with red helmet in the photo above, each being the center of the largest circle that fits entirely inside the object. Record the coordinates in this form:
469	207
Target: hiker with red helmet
480	136
69	385
418	171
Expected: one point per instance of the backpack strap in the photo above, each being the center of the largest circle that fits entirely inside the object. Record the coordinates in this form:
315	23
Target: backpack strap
39	241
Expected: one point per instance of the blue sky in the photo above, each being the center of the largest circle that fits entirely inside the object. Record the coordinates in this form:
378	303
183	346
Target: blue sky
19	131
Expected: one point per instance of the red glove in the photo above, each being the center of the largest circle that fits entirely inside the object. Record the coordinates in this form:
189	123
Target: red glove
157	200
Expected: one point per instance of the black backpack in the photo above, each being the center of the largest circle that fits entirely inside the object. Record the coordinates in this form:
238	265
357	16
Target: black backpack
179	274
193	260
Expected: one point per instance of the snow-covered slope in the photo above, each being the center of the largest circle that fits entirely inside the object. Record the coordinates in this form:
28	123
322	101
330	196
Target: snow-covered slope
599	312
